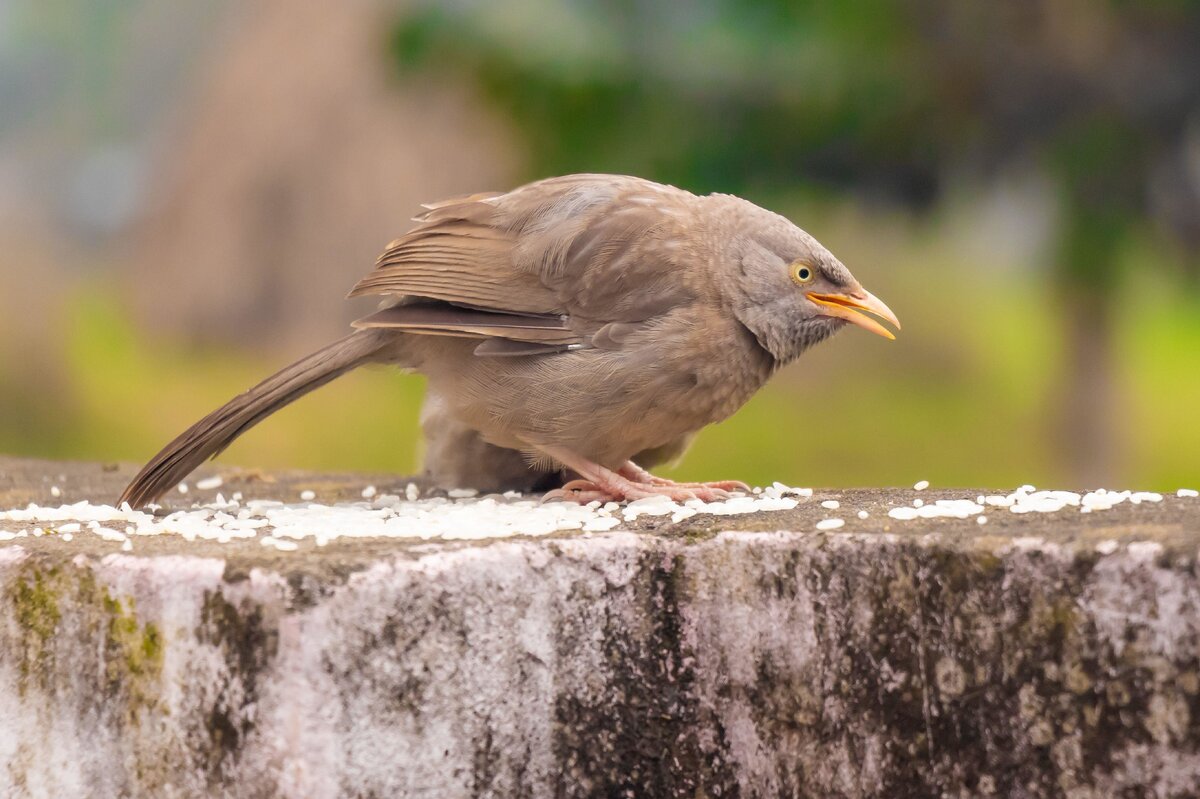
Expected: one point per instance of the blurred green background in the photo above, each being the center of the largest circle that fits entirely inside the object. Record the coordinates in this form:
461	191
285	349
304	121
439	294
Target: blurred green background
187	190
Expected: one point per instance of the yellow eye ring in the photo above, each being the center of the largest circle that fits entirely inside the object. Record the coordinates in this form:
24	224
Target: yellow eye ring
803	273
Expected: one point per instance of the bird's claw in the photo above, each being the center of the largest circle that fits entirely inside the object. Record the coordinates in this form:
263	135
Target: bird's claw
726	486
585	491
581	491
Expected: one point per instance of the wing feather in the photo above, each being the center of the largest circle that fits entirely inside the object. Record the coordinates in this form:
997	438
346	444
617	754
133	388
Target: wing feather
444	319
588	251
473	269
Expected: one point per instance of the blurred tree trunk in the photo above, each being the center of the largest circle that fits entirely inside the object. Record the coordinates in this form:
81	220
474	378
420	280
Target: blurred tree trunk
1087	435
294	160
1100	162
1085	421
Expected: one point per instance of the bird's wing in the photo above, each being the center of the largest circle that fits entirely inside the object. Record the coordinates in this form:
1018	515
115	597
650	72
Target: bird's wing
457	254
590	251
446	319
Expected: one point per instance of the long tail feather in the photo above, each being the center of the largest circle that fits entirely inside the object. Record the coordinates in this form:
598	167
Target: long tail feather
212	434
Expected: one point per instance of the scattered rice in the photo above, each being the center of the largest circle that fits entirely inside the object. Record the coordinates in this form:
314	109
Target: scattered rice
921	485
182	488
209	483
281	525
463	515
1022	501
942	508
779	489
1026	499
55	491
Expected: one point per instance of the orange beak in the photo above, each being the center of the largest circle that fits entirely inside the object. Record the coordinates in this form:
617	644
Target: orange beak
851	306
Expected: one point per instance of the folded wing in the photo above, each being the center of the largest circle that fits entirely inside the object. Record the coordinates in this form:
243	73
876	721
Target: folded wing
547	265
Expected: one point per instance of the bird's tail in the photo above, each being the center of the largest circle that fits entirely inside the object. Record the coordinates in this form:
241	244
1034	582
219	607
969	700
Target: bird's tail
217	431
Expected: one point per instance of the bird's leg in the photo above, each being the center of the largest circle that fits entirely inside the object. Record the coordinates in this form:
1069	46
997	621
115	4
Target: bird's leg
637	474
601	483
580	491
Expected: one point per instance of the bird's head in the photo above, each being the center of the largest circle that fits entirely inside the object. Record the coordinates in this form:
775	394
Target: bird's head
791	292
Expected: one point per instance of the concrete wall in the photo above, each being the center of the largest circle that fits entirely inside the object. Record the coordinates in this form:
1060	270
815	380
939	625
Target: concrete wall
1048	657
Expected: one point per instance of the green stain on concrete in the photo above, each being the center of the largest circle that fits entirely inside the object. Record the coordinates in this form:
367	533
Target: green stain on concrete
134	651
36	609
46	600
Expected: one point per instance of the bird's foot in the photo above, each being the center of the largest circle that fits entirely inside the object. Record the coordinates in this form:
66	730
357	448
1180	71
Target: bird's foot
630	482
581	491
622	490
637	474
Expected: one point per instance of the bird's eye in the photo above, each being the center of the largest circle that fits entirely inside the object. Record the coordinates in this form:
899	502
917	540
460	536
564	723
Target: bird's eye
802	273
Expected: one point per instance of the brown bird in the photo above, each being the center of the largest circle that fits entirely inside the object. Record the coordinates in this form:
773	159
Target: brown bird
584	321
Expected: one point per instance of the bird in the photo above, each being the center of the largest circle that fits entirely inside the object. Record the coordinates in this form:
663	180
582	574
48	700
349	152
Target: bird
591	324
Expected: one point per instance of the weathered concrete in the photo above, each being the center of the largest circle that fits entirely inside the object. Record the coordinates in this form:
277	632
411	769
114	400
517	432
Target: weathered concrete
1037	655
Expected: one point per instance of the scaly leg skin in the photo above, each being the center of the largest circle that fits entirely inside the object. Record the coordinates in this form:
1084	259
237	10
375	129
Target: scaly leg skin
599	483
581	491
639	475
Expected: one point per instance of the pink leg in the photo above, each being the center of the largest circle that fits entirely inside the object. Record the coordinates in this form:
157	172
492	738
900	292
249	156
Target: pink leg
601	483
639	475
581	491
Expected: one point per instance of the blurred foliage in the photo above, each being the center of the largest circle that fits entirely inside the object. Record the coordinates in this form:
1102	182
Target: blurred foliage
988	361
128	394
847	116
710	96
886	100
881	97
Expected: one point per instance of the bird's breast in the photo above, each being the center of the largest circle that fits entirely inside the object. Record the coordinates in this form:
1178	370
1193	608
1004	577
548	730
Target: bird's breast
667	381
